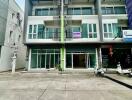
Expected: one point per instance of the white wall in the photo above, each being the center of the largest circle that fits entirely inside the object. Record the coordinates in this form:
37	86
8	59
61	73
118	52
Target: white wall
16	37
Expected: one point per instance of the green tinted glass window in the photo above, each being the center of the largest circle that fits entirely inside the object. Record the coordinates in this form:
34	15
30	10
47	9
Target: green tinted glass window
103	10
86	11
90	27
40	31
115	29
110	28
38	12
30	36
119	10
30	28
84	31
76	29
109	10
43	61
35	29
70	11
94	28
34	61
45	12
105	28
77	11
49	33
68	61
52	12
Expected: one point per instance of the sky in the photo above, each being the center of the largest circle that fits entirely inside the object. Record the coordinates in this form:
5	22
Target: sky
21	3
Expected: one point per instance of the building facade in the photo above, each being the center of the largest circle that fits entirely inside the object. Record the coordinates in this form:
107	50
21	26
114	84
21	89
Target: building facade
3	20
76	34
12	36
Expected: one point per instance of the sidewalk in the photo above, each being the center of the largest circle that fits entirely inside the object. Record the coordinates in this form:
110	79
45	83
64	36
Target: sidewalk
54	86
121	78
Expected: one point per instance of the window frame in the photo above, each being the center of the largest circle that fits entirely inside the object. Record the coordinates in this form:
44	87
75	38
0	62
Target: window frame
108	33
92	30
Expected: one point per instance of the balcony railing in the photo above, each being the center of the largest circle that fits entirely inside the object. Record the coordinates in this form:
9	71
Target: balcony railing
80	35
68	11
81	11
113	10
49	35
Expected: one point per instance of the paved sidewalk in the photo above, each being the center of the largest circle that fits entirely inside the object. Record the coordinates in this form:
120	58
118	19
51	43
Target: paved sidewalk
121	78
54	86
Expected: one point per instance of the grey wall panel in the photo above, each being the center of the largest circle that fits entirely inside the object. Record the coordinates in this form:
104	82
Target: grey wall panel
28	12
4	4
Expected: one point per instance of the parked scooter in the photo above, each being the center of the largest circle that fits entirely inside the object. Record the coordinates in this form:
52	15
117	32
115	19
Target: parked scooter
123	71
99	72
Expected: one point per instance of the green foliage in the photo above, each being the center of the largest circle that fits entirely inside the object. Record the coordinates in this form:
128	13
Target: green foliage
58	67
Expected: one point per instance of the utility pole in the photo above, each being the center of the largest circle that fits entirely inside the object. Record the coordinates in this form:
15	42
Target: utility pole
62	63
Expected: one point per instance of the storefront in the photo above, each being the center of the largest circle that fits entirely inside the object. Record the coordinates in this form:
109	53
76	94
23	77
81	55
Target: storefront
81	58
75	58
44	58
112	56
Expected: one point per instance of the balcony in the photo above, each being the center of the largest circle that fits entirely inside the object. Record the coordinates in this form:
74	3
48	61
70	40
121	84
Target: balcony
111	2
83	33
113	38
39	33
82	2
44	2
78	37
43	38
119	12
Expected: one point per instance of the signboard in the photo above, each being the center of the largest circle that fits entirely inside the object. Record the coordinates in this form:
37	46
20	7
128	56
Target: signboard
76	34
129	12
127	35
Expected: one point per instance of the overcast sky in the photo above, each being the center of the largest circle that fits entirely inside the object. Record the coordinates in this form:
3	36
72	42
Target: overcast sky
21	3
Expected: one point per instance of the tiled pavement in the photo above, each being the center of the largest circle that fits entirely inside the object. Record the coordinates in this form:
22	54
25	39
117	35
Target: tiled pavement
54	86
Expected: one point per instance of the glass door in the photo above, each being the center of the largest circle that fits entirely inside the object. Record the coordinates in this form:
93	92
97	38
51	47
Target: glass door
69	61
48	56
57	60
43	61
91	60
52	60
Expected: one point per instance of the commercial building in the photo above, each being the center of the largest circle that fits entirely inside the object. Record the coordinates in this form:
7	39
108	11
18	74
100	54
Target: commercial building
76	34
11	35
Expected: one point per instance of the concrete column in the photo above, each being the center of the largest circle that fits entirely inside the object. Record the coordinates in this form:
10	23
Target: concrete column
29	60
100	19
99	12
99	52
97	60
62	22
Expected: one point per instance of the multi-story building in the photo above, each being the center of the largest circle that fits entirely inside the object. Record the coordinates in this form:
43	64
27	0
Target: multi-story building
76	34
11	36
3	16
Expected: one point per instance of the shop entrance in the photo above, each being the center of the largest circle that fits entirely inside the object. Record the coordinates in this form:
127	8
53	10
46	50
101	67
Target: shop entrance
122	56
44	58
79	61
